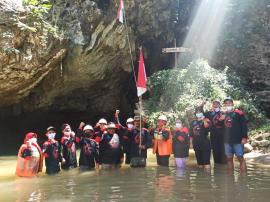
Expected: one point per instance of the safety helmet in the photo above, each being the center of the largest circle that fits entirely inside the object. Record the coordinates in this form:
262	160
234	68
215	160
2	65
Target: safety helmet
102	121
162	117
88	127
216	100
130	120
111	125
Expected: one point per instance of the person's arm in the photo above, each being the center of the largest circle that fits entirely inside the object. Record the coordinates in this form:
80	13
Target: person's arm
68	142
26	152
96	155
244	129
165	134
116	120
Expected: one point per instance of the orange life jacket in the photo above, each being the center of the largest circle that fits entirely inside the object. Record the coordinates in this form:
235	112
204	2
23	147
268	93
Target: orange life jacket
164	147
29	167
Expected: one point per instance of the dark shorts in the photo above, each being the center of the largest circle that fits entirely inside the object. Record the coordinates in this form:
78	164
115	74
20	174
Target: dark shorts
203	157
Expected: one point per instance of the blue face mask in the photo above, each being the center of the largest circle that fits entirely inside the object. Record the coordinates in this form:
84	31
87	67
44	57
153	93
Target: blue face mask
200	115
217	109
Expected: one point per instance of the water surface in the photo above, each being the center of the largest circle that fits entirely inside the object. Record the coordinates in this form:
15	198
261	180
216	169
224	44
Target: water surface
138	184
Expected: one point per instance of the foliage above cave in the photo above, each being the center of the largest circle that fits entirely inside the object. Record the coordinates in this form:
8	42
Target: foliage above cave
176	92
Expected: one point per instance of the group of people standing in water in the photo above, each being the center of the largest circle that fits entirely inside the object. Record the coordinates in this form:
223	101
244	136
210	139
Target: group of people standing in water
105	144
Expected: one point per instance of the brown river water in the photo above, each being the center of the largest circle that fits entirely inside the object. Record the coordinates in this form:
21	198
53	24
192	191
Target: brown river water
152	183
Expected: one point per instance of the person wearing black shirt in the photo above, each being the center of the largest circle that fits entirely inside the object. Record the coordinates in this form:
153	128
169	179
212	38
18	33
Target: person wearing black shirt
199	131
217	133
235	133
89	155
110	152
69	148
52	152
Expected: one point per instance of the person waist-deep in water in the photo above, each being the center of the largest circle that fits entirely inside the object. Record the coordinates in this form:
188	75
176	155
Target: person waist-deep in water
217	133
52	152
124	134
162	146
110	152
69	148
181	144
30	159
199	132
89	154
139	143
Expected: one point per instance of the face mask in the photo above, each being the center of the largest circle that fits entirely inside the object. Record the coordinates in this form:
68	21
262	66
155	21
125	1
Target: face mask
130	126
229	108
51	136
178	125
200	115
88	134
217	109
33	140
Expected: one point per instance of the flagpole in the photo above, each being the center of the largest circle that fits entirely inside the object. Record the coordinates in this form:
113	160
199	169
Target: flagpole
130	52
140	109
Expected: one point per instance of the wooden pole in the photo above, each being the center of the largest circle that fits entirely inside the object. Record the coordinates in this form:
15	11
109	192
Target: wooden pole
140	109
175	54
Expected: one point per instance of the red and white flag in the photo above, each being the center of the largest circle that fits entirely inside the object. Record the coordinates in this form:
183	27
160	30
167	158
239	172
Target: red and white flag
120	12
141	79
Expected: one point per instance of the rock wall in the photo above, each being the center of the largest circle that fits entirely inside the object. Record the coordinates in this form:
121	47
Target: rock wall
86	66
28	52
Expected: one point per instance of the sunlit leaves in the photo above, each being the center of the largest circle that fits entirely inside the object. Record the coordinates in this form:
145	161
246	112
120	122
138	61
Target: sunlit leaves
177	91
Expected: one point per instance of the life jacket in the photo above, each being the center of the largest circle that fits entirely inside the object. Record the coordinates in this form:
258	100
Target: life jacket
29	167
162	146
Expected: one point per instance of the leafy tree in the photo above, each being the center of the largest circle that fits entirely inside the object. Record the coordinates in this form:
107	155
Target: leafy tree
176	92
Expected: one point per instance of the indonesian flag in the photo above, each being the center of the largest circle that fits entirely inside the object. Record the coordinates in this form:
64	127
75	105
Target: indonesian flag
141	79
120	12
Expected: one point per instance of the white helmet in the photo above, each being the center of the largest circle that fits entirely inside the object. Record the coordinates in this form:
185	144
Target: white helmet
102	121
88	127
162	117
111	125
130	120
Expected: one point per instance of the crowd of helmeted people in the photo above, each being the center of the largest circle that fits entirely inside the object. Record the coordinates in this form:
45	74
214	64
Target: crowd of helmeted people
224	132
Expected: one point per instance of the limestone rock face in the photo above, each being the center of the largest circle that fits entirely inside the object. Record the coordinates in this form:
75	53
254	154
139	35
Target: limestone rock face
86	66
95	74
28	52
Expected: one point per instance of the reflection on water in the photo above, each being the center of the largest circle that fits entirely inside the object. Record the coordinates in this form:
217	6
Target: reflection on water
142	184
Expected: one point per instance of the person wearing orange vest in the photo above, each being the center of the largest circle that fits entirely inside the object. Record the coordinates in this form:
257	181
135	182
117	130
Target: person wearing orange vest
162	142
29	157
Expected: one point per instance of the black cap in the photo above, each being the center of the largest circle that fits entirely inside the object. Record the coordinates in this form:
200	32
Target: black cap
51	128
228	99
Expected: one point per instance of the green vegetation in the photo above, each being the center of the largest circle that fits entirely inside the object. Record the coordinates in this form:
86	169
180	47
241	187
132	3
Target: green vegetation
176	92
38	11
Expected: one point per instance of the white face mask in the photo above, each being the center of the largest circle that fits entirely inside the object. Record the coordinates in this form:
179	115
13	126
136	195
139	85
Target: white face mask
217	109
200	115
33	140
229	108
51	136
130	126
178	125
